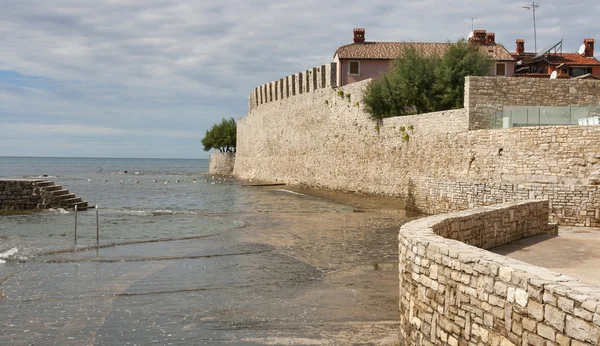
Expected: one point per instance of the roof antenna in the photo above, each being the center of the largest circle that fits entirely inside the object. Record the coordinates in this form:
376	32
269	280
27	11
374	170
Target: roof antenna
533	6
473	20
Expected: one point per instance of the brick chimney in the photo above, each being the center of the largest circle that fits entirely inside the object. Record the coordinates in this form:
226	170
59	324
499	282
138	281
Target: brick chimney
490	38
520	46
589	47
359	35
479	36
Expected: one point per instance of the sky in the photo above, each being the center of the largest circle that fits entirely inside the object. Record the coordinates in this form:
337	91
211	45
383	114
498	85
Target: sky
147	78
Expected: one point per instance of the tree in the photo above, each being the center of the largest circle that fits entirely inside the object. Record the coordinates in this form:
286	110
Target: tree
221	136
417	83
460	60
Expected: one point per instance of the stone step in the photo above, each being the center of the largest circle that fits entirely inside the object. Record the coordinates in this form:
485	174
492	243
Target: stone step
83	205
66	196
61	192
44	183
71	201
52	188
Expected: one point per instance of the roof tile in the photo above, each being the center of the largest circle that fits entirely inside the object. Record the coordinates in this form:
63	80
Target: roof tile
393	50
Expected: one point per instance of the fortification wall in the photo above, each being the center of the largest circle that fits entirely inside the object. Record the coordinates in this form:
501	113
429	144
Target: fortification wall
325	139
453	292
221	163
319	77
485	96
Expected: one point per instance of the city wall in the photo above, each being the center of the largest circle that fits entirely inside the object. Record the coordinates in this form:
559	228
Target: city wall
221	163
454	292
319	77
324	138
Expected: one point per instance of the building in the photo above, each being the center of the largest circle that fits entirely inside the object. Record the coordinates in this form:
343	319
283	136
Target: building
581	64
362	60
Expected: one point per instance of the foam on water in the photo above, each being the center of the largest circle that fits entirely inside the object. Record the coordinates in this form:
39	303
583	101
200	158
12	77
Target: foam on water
6	254
292	192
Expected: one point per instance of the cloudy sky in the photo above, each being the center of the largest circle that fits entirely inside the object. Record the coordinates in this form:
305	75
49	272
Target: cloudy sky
146	78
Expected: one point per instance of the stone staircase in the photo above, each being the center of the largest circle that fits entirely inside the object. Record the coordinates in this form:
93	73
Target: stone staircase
54	196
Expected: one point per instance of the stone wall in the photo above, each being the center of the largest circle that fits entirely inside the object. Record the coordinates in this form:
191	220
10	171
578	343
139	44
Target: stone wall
221	163
575	205
25	194
20	195
319	77
325	139
485	96
453	292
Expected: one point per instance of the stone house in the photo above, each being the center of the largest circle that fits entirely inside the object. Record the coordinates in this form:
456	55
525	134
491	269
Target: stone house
581	64
362	59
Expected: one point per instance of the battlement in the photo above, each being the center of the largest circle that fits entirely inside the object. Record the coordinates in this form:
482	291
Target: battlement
319	77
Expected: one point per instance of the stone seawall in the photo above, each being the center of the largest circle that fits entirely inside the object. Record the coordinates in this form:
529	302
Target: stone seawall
325	139
454	292
221	163
24	194
575	205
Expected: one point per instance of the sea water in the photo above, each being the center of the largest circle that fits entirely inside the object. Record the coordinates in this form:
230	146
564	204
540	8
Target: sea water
180	258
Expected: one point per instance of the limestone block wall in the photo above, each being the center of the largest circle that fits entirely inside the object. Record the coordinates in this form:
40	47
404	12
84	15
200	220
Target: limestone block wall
19	195
315	78
486	95
453	292
575	205
221	163
324	138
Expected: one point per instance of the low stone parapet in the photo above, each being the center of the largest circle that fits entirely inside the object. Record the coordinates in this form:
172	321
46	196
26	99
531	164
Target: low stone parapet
454	292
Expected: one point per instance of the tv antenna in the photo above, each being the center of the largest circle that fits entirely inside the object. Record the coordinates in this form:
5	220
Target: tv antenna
472	23
532	7
581	49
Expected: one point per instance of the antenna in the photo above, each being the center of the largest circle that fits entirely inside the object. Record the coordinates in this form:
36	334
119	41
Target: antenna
581	49
472	21
533	6
553	75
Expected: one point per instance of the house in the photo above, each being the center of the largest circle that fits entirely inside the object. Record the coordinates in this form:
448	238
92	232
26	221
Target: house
362	60
582	64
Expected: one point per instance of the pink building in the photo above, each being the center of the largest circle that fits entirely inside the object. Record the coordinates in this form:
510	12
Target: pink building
363	60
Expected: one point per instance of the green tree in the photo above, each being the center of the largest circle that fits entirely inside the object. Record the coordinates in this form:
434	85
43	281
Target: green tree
460	60
417	83
221	136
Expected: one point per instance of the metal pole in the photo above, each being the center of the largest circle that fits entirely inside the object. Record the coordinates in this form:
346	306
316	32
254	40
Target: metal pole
75	224
97	227
534	32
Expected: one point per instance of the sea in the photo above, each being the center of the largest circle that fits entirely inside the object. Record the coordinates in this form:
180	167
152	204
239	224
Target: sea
186	258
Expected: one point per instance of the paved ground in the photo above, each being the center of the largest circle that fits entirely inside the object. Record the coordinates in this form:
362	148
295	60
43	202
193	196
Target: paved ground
574	252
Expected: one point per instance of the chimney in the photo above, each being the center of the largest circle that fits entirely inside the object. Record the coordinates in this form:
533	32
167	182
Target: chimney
479	36
589	47
359	35
520	46
490	38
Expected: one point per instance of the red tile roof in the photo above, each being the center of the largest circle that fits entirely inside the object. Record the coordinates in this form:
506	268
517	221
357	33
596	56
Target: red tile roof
569	59
392	50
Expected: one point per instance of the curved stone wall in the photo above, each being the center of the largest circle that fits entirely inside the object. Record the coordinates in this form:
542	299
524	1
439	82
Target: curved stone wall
454	292
221	163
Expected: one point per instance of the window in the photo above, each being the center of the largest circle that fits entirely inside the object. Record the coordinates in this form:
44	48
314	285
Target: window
500	69
354	68
580	71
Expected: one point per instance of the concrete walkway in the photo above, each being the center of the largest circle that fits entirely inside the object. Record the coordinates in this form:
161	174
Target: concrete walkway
574	252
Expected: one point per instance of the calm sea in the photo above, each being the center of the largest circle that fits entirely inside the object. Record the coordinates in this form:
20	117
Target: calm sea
183	258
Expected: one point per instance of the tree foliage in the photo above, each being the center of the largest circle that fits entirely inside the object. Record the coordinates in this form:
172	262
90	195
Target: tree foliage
418	83
221	136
